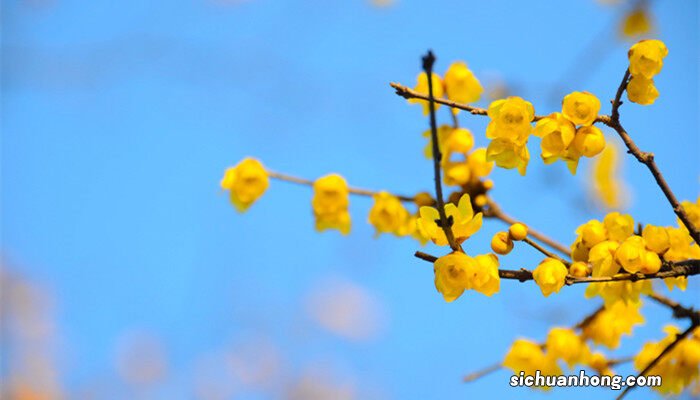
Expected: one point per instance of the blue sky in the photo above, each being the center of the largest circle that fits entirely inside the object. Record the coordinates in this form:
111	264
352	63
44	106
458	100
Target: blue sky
120	117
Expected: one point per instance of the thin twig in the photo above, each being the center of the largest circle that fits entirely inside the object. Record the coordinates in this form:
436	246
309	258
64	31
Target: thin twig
683	268
646	158
661	355
307	182
545	251
494	211
445	224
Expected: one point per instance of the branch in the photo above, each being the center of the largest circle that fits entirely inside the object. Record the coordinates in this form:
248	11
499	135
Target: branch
494	211
682	268
445	224
679	311
658	358
546	252
646	158
408	93
353	190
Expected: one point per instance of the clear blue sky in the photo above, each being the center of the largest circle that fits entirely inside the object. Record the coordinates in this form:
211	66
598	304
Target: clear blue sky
118	119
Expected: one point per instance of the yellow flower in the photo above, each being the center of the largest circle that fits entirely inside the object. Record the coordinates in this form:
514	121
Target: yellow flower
565	344
501	243
592	233
656	238
608	326
636	23
452	274
550	276
651	264
510	119
247	181
528	357
422	88
556	132
589	141
464	223
631	254
619	226
388	214
508	154
461	85
680	247
457	272
485	279
601	257
455	149
330	203
642	91
409	228
581	108
646	58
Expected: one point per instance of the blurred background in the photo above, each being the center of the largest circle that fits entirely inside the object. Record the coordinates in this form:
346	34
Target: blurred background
126	273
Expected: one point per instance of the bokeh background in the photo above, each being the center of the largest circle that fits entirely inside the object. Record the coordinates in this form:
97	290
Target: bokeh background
127	274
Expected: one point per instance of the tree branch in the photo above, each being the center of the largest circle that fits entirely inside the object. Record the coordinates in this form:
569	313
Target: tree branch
676	269
494	211
445	224
646	158
306	182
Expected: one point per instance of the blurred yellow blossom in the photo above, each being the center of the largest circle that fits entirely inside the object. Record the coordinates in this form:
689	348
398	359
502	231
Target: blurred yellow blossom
636	23
422	88
387	214
608	326
247	181
567	345
330	203
461	85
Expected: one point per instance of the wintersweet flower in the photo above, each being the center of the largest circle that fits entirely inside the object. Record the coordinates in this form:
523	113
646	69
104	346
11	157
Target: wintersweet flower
247	182
330	203
566	345
388	214
508	154
646	58
656	238
464	223
606	185
692	210
599	363
618	226
422	88
642	91
461	85
608	326
510	119
589	141
550	276
631	254
557	133
457	272
485	279
581	108
517	231
452	274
